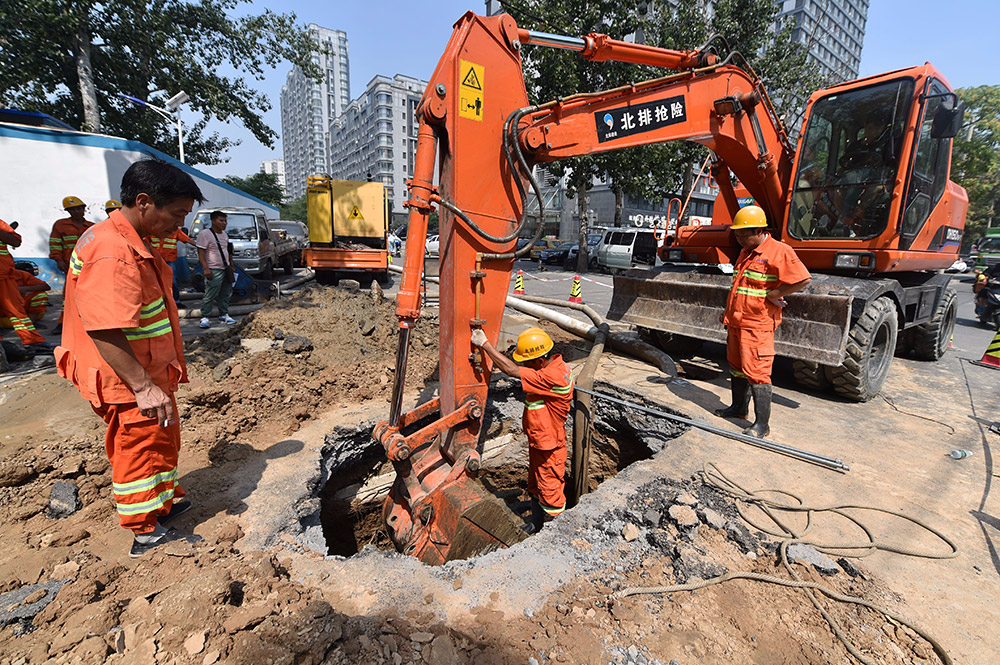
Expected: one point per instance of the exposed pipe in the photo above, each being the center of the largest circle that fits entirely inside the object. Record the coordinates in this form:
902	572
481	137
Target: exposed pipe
805	456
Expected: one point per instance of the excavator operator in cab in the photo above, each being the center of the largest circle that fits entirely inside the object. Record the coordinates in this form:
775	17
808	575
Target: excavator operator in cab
548	395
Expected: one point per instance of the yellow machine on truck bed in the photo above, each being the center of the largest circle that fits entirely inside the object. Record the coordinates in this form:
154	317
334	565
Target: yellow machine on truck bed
348	229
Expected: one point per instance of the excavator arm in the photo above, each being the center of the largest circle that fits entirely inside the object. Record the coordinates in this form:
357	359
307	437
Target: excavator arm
475	117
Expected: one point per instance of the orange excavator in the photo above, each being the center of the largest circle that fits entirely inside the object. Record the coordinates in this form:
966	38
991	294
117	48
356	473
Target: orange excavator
871	208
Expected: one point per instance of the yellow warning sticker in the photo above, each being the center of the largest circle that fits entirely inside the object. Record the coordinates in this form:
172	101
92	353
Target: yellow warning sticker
470	90
356	214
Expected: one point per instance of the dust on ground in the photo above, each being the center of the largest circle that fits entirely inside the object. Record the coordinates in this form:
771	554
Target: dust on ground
257	383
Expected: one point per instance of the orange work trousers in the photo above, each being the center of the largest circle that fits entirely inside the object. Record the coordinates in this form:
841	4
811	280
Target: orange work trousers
750	353
12	306
143	458
35	305
546	478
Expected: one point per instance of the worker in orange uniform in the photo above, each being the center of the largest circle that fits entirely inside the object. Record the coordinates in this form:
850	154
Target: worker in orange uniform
65	232
167	247
33	295
122	347
766	271
548	395
11	302
111	205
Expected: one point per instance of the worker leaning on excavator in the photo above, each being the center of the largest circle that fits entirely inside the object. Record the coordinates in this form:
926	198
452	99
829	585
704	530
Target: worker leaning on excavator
766	271
548	395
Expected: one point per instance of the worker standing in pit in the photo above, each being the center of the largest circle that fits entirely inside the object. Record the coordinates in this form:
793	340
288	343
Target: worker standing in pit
62	239
548	395
122	347
766	271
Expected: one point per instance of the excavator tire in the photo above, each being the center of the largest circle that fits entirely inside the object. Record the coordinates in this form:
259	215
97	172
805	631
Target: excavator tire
810	375
930	340
870	346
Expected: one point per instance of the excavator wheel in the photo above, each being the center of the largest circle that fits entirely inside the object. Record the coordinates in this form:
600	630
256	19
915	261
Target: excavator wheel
870	347
810	375
930	340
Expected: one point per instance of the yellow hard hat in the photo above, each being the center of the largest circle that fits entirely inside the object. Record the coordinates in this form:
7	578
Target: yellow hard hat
532	343
113	204
72	202
750	217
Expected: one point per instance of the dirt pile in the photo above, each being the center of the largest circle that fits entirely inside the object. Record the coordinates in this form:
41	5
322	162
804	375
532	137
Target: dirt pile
298	357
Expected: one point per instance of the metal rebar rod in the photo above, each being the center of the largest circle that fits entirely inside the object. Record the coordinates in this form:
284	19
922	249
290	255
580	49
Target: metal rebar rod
806	456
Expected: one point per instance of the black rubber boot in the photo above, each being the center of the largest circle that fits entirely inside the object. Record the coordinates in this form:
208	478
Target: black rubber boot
741	399
761	409
537	515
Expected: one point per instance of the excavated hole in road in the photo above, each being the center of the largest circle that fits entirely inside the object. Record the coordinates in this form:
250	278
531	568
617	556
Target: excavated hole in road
358	475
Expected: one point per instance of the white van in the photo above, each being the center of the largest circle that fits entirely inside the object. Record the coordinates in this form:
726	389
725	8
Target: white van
623	247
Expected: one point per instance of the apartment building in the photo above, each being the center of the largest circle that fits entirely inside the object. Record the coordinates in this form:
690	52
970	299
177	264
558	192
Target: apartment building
375	138
308	107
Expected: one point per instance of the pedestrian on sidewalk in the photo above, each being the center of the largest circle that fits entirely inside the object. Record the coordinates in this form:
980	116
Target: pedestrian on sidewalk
217	264
122	347
766	271
548	395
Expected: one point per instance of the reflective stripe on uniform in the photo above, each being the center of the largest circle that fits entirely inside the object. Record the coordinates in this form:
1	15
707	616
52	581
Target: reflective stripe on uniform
3	249
562	390
531	406
760	276
145	506
552	511
145	483
748	291
39	299
75	264
153	322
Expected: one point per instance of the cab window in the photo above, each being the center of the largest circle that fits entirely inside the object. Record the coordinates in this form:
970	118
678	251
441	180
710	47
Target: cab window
929	172
850	156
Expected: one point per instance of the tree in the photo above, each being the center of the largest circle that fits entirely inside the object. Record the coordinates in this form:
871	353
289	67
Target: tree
653	172
556	74
295	210
71	58
976	157
262	185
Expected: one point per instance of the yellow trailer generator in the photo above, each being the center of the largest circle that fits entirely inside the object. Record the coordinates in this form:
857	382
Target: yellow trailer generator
348	229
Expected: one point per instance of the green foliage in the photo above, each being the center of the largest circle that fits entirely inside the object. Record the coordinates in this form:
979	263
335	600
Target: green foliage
149	50
976	157
295	209
657	171
262	185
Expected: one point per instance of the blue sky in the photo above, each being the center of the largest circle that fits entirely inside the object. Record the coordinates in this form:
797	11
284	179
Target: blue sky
393	37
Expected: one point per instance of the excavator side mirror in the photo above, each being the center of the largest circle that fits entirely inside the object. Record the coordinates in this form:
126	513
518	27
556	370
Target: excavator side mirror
947	121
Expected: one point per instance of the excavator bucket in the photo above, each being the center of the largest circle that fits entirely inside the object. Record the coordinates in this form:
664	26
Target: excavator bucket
814	325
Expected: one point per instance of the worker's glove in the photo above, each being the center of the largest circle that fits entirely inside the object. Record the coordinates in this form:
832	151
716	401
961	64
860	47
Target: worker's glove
478	337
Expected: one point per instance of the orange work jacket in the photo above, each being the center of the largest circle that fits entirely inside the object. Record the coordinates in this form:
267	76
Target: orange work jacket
548	395
62	239
769	265
167	247
115	281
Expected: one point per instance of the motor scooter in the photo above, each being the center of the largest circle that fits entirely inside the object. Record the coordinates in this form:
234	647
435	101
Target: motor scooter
988	303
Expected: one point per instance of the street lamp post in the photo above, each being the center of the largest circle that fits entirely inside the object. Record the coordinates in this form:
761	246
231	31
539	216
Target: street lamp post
174	104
